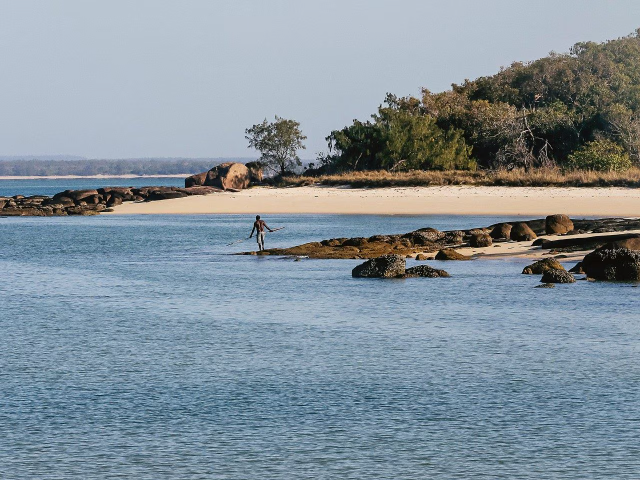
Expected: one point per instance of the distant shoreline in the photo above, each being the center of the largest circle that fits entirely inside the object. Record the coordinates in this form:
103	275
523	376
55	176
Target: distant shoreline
89	177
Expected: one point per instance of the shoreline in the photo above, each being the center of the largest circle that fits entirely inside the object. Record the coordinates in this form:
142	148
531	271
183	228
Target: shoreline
436	200
88	177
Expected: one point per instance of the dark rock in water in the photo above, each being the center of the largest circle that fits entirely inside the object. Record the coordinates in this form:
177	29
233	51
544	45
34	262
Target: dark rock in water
501	231
386	266
557	276
521	232
425	271
481	240
546	285
422	257
611	262
623	240
577	268
542	266
450	254
558	224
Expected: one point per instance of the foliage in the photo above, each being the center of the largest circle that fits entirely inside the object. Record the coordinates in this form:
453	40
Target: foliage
278	143
539	114
601	156
398	138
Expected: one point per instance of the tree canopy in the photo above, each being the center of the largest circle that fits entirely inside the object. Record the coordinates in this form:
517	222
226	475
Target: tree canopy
278	143
542	113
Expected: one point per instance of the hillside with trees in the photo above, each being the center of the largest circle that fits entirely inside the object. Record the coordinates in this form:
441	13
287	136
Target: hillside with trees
578	110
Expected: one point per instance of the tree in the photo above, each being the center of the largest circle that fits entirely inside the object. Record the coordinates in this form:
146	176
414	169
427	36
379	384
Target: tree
600	155
278	143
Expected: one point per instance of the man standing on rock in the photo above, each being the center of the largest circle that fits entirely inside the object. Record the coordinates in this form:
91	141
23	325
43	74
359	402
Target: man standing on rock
258	227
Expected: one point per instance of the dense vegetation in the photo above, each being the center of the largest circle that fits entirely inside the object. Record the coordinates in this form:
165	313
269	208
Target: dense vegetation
107	167
579	110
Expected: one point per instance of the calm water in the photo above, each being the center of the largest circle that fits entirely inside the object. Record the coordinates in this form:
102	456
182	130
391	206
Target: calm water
50	187
136	347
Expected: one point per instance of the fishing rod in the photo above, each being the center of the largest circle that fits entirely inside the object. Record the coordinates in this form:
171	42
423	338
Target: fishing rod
245	239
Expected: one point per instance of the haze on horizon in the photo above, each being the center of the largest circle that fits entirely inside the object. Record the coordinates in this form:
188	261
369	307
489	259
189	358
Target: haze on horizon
157	78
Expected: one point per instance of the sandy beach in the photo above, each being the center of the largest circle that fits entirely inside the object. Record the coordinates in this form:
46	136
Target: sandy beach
447	200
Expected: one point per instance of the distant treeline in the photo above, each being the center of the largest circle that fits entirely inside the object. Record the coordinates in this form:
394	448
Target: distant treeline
21	168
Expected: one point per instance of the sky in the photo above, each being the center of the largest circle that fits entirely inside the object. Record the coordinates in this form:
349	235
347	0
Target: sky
185	78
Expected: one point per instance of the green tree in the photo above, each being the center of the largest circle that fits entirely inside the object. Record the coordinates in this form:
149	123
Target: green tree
278	143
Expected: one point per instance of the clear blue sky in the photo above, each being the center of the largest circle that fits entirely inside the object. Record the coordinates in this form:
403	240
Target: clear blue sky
144	78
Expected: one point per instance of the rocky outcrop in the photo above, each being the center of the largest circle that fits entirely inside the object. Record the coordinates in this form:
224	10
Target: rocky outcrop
557	276
522	232
227	176
558	224
256	174
480	240
386	266
425	271
501	231
450	254
577	268
624	240
611	262
542	266
91	202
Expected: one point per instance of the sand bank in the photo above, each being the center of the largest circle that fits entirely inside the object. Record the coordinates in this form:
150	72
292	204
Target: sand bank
447	200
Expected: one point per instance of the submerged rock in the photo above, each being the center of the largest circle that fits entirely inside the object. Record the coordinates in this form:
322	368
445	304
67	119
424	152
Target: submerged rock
545	285
557	276
542	266
386	266
425	271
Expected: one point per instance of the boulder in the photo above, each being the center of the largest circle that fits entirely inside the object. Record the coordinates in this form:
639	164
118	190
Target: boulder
454	237
422	238
623	240
425	271
542	266
255	172
558	224
577	268
501	231
450	254
77	195
355	242
611	262
557	276
428	234
521	232
481	240
386	266
422	257
195	180
164	194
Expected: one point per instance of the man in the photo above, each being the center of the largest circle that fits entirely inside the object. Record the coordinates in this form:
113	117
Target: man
258	227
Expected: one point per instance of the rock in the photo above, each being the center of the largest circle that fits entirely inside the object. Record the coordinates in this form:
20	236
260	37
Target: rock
422	257
611	262
255	172
429	234
425	271
386	266
542	266
577	268
521	232
501	231
450	254
557	276
355	242
623	240
114	201
162	194
195	180
481	240
76	195
455	237
228	175
546	285
558	224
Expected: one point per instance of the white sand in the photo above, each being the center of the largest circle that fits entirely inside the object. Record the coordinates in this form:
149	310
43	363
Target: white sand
449	200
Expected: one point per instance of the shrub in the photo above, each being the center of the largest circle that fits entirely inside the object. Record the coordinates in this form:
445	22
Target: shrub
601	156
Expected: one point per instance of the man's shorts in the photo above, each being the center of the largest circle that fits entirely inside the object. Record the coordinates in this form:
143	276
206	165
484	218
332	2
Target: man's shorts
260	237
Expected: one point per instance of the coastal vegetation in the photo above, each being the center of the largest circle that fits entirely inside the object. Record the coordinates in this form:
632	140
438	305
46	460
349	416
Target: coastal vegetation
278	143
578	111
